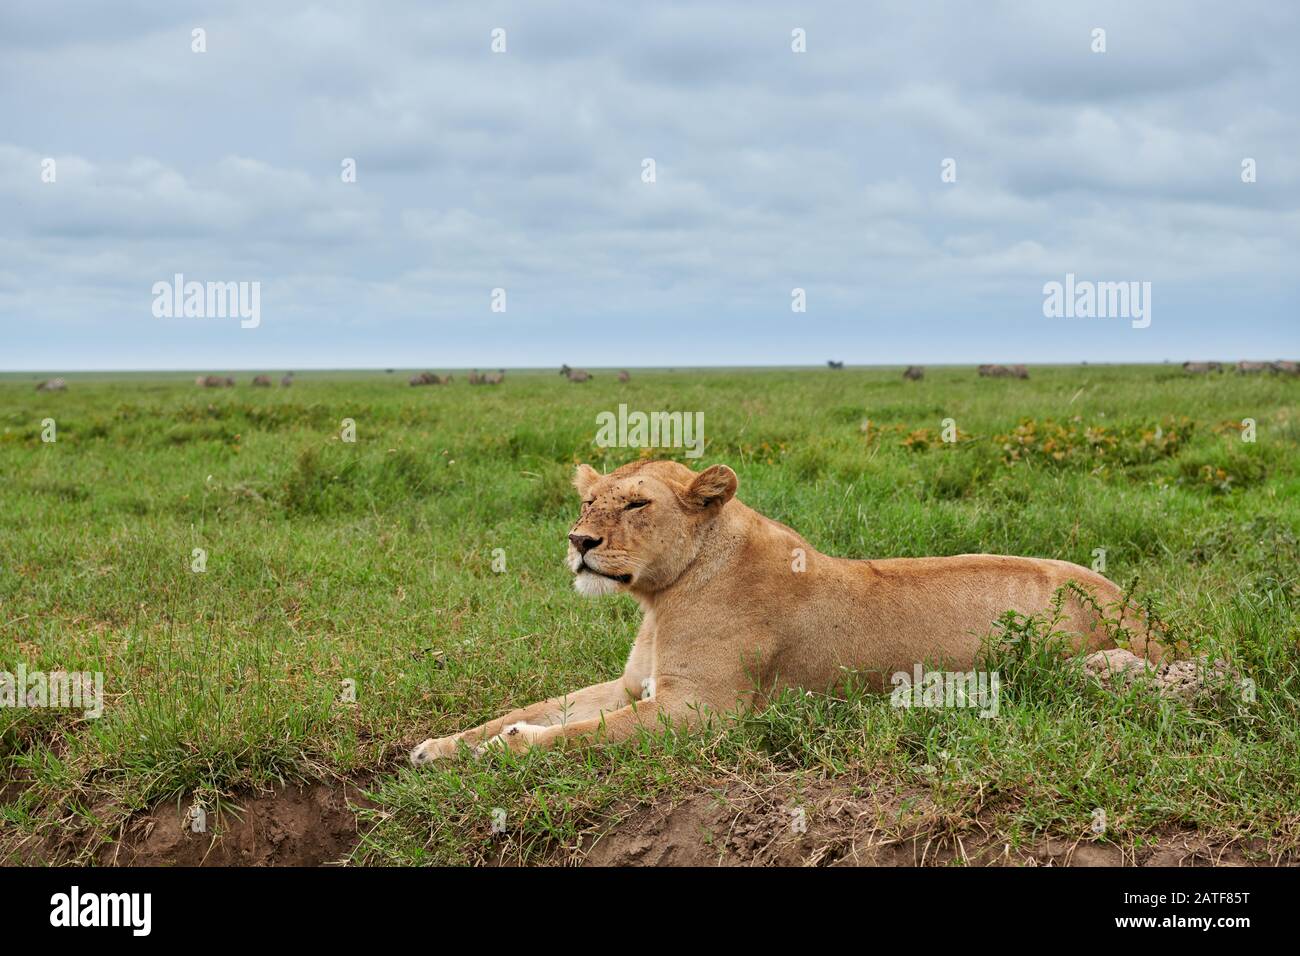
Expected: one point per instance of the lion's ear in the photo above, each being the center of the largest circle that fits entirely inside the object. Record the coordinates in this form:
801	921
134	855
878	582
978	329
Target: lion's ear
584	477
712	486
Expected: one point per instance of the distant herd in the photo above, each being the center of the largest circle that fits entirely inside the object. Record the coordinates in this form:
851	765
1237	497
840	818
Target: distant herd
917	372
1243	368
225	381
913	373
496	378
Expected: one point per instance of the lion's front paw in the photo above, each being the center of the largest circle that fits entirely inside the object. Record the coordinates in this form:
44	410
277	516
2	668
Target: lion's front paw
433	749
517	738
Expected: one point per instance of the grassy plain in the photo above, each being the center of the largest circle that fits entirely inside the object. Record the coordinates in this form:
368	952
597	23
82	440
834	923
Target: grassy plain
371	562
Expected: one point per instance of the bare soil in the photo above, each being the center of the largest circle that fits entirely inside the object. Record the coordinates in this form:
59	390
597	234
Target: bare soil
743	826
308	825
820	822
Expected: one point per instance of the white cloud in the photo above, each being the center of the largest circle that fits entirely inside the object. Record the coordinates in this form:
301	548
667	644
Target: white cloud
523	170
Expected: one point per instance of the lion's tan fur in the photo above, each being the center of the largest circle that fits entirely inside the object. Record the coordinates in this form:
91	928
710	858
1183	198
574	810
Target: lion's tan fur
737	606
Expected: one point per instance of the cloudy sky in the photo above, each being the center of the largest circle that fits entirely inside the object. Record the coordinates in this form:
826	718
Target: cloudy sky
524	170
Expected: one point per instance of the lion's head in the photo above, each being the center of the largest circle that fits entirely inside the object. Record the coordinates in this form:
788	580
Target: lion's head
641	525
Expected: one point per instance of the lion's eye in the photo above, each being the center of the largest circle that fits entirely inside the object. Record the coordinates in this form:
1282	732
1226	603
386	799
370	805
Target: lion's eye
633	505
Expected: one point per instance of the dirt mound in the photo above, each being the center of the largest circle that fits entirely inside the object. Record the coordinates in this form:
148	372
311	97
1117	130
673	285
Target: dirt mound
741	826
307	825
843	824
1186	680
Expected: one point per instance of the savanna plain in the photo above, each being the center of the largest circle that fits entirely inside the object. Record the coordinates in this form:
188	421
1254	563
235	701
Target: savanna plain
356	597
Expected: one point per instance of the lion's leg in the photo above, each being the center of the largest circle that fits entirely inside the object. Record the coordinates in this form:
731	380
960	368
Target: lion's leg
608	728
580	705
670	701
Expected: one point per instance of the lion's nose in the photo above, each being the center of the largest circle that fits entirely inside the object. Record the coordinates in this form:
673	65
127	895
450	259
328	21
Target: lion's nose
583	542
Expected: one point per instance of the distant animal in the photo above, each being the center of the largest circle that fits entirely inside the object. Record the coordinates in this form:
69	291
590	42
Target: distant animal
261	381
1201	368
623	376
1004	371
575	374
834	364
428	378
214	381
287	380
915	373
1251	368
1284	367
52	385
496	379
476	378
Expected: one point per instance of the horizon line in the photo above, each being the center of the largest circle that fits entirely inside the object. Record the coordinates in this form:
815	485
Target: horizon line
548	368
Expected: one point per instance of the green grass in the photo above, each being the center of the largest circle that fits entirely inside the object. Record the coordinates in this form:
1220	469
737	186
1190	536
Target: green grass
372	561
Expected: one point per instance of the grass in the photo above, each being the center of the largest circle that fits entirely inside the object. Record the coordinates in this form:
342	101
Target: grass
371	562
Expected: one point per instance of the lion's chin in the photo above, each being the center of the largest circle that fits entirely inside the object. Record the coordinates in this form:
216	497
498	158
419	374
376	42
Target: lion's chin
593	585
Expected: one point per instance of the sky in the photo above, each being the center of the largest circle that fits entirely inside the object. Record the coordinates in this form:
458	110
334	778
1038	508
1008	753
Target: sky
919	170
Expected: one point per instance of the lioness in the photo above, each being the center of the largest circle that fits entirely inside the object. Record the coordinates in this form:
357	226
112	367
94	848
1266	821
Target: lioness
738	606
